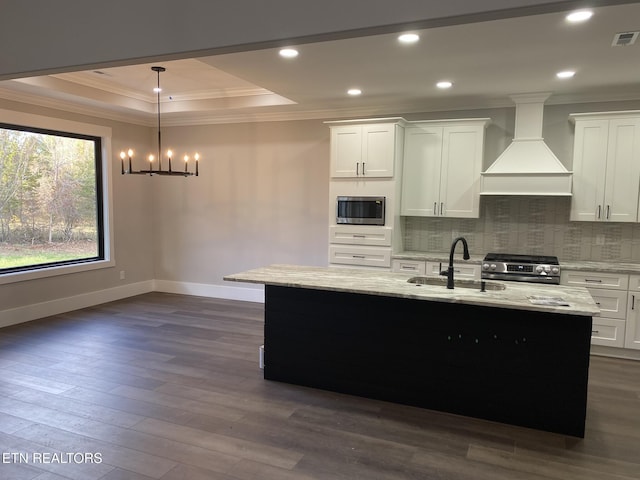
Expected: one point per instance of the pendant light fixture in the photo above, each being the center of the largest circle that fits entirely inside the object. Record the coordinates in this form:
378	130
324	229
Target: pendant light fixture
153	170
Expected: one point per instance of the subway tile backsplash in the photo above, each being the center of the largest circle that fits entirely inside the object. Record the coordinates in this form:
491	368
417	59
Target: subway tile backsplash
527	225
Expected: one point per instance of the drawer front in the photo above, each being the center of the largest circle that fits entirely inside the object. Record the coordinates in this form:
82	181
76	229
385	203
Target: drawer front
612	303
365	256
460	270
360	235
415	267
595	279
608	331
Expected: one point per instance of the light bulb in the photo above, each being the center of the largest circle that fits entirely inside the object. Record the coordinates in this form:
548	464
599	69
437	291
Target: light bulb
197	156
169	153
130	153
151	158
186	158
122	155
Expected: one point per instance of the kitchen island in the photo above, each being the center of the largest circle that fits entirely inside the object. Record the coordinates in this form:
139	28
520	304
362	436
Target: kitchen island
516	353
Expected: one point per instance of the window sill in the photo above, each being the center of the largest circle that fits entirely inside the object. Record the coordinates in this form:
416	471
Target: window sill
58	270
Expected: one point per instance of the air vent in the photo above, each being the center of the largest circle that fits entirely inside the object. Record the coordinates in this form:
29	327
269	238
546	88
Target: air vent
623	39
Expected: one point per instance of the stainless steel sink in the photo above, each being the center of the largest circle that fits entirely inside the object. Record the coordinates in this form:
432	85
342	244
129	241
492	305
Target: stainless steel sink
442	281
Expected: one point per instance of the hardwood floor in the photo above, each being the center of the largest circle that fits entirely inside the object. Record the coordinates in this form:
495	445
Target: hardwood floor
168	387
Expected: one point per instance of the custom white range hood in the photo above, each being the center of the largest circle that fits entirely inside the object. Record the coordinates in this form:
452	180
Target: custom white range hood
527	166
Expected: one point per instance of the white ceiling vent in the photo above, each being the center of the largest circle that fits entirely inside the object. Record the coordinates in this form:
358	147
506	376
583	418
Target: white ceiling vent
623	39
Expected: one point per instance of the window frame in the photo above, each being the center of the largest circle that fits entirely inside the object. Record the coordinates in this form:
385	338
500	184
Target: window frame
105	257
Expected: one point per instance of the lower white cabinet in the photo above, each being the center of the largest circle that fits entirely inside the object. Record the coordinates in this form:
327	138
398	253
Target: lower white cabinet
632	332
608	331
360	245
360	255
360	235
610	292
416	267
469	271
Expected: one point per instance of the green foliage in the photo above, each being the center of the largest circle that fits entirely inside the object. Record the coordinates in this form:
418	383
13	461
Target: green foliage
47	189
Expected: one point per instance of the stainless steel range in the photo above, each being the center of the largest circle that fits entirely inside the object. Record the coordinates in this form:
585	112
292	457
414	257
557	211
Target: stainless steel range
521	268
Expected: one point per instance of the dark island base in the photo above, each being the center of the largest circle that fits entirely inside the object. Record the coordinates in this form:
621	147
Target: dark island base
513	366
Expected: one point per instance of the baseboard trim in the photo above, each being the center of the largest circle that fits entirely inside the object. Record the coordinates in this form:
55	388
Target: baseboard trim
35	311
62	305
212	291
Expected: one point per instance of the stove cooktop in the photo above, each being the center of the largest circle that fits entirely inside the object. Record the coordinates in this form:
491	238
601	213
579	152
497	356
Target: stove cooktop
521	268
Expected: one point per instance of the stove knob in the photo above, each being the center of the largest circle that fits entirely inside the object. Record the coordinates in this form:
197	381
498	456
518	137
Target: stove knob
493	266
485	266
555	270
539	269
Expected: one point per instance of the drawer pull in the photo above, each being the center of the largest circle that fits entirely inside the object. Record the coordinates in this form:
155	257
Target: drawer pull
358	256
593	280
595	332
408	267
356	235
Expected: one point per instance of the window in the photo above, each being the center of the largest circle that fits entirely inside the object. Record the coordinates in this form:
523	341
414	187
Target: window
51	199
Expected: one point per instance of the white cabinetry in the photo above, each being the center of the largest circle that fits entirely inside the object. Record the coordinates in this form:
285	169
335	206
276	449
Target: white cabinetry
441	168
632	335
606	167
469	271
368	246
609	291
363	150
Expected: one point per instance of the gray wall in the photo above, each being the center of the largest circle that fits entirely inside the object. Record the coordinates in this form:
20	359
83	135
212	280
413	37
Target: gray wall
46	37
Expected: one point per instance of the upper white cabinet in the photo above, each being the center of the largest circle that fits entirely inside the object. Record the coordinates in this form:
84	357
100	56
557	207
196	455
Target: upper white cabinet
363	150
606	167
441	168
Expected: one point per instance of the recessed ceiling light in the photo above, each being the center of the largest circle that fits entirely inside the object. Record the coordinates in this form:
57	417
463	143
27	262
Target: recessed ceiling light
565	74
444	84
289	53
579	16
409	38
354	92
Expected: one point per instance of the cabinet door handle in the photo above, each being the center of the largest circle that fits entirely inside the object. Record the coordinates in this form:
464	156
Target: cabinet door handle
363	168
435	208
358	173
595	332
608	211
633	302
598	215
441	207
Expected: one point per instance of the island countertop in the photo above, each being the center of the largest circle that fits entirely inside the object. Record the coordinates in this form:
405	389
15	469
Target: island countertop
516	295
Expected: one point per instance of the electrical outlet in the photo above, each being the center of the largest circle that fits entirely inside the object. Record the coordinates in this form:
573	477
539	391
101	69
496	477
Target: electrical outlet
122	275
600	239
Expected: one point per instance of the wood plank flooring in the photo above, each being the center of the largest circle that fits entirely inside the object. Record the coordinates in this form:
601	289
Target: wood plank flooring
168	387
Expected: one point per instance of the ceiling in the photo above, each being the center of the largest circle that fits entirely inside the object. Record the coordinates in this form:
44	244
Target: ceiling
486	61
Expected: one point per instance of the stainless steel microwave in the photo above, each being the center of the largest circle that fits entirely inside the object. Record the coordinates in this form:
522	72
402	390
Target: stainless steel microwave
360	210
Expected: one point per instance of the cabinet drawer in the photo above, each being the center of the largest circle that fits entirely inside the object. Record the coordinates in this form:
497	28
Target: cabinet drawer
595	279
360	235
460	270
416	267
612	303
355	255
608	331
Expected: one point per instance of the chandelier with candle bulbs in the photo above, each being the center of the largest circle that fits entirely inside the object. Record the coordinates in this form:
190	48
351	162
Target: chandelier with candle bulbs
153	169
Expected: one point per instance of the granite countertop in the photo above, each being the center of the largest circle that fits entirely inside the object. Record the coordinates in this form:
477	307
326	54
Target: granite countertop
516	295
580	265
